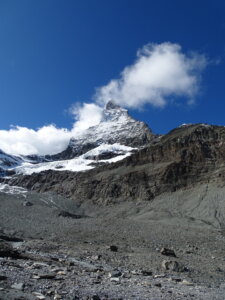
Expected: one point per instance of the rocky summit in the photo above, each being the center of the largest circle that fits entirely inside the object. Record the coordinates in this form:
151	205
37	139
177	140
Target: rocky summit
116	126
121	213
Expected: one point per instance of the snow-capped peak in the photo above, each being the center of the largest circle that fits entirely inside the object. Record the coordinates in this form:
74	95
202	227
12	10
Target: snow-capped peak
113	112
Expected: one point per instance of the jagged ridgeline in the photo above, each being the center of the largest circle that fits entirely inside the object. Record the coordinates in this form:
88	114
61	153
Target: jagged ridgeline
122	160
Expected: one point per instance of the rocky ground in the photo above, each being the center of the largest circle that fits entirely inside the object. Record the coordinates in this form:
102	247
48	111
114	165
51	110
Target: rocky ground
51	248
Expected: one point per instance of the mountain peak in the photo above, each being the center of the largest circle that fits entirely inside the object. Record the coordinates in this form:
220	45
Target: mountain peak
112	105
113	113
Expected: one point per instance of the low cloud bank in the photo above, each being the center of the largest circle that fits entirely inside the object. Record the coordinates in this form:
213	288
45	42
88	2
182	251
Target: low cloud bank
160	72
49	139
25	141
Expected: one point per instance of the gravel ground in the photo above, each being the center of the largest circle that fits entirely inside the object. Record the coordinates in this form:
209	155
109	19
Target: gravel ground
59	250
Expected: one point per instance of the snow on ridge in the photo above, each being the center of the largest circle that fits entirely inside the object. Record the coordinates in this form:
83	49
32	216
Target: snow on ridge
191	124
78	164
104	148
185	125
13	190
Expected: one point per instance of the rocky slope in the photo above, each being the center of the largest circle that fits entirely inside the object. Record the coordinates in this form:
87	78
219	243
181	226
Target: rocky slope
148	226
183	158
51	248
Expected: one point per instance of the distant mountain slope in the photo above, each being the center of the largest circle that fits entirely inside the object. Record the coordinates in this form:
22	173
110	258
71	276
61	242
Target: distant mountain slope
113	139
185	157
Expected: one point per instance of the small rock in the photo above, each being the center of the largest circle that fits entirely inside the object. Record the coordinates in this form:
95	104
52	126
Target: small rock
27	203
35	277
50	292
67	214
38	265
160	276
46	276
175	279
113	248
18	286
136	272
115	279
172	265
63	292
96	257
167	252
96	281
158	284
56	269
1	289
115	274
62	273
95	276
126	275
38	295
146	273
185	282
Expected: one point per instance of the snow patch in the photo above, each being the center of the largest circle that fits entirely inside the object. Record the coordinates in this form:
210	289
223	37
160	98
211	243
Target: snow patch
79	164
185	125
13	190
105	148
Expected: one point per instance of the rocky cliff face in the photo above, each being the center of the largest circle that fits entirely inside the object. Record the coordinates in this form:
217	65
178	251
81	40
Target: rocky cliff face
183	158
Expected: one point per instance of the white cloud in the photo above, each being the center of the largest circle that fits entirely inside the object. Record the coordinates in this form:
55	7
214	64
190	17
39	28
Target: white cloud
25	141
49	139
86	115
160	71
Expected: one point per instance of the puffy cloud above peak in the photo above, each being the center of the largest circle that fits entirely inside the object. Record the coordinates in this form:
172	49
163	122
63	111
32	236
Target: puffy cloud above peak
160	71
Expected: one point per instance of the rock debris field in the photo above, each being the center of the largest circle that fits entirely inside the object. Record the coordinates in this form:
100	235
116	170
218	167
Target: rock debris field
51	248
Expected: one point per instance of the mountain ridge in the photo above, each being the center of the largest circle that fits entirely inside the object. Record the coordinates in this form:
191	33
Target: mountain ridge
185	157
116	128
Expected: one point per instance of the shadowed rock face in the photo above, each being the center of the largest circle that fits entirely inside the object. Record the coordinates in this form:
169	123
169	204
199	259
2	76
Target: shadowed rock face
186	156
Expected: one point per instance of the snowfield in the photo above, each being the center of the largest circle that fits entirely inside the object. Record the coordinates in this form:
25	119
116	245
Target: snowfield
78	164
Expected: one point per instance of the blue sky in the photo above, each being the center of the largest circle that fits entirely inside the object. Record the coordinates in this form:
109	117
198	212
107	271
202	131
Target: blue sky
56	53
